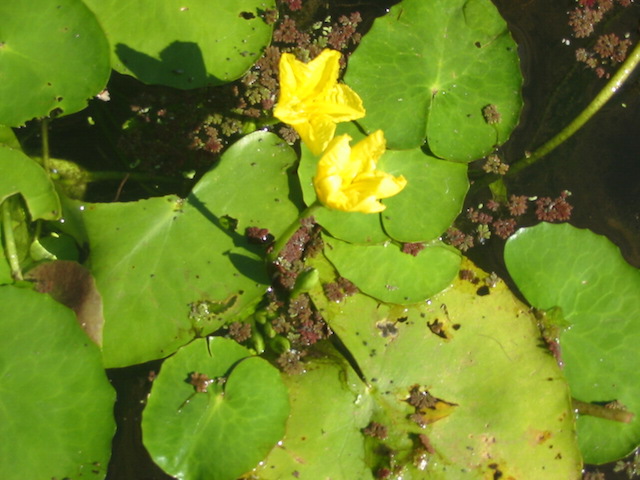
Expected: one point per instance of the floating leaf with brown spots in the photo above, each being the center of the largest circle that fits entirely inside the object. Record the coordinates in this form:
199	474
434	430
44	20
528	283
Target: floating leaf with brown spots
485	401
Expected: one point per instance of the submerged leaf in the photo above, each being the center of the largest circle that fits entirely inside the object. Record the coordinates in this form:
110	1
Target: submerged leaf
72	285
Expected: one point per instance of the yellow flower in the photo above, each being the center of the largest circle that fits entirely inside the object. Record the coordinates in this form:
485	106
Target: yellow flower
311	99
346	178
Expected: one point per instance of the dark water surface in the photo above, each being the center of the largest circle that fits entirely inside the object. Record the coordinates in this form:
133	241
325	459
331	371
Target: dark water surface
600	164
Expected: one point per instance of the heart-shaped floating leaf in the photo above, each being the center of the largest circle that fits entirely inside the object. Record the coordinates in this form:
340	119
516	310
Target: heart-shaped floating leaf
185	44
169	269
455	81
390	275
214	411
56	404
599	295
34	82
20	174
424	209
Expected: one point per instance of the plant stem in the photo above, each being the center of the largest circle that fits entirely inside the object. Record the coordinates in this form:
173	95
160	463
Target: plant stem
600	411
291	229
596	104
612	86
9	240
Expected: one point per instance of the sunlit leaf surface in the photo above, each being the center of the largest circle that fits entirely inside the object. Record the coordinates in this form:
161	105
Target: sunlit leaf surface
185	44
599	296
52	58
56	404
428	69
214	411
460	385
169	269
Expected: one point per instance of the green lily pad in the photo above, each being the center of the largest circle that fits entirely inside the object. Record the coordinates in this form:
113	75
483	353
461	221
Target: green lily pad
437	186
8	138
169	269
585	275
185	44
33	82
214	411
20	174
269	196
466	372
56	403
388	274
430	202
457	58
323	437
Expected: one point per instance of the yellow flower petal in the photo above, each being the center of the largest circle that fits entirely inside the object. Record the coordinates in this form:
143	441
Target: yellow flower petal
346	178
312	101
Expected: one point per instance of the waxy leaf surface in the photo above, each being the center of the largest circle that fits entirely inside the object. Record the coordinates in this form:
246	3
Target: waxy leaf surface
427	69
220	433
169	269
185	44
502	407
585	275
479	353
56	404
324	432
388	274
53	57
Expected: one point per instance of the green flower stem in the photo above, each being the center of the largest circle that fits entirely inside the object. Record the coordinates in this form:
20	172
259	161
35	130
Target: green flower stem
612	86
9	240
600	411
291	229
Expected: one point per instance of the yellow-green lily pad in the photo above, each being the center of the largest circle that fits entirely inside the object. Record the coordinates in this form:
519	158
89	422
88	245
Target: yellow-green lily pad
598	294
